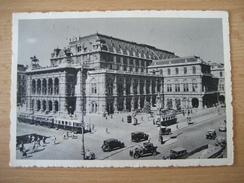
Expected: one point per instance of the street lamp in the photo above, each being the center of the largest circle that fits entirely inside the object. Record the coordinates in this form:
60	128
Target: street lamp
83	152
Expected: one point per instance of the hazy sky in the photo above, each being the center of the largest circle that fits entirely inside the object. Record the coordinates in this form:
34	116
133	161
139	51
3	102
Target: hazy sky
184	36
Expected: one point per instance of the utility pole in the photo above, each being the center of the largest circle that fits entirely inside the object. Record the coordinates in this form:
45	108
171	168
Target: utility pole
82	119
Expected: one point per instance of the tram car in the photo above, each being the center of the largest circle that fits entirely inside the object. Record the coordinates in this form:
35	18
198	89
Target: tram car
73	125
166	118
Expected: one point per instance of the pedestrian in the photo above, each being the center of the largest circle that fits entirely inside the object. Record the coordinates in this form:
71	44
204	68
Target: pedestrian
64	136
43	140
24	154
29	139
54	140
38	142
67	134
32	139
183	113
161	139
93	127
22	147
122	119
153	121
142	118
111	116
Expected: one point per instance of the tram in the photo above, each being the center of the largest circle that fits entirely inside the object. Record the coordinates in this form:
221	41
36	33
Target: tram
166	117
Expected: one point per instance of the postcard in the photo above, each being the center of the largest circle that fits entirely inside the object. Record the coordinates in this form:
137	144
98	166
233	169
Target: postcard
121	89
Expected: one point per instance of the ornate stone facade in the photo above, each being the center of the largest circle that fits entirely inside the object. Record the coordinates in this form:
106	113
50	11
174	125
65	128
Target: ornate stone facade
188	82
95	74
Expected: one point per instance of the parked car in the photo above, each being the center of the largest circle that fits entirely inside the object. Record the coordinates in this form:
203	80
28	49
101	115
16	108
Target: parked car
146	149
211	134
222	128
90	155
139	136
111	144
165	131
177	153
221	141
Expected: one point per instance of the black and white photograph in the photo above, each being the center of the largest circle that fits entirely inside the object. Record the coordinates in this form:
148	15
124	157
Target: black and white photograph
121	89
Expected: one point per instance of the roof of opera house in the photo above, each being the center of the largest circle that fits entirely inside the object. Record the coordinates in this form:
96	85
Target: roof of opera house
121	46
179	60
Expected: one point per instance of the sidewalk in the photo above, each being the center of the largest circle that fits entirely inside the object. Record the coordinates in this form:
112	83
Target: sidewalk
198	117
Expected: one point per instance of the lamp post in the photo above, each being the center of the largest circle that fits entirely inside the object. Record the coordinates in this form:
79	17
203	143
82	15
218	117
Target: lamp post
82	118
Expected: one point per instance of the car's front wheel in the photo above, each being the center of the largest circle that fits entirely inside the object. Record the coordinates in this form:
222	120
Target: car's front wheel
136	155
154	153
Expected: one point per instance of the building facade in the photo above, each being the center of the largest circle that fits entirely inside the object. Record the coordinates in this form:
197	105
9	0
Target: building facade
188	83
218	71
21	84
95	74
99	74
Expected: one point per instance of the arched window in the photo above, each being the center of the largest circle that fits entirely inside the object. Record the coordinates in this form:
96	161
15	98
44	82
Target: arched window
50	105
161	71
56	105
120	86
169	72
110	86
176	71
44	107
50	86
33	86
44	86
93	86
39	86
56	86
94	107
38	105
194	70
185	70
33	104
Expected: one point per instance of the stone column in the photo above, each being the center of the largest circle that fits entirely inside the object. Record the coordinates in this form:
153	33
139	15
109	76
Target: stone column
115	105
53	105
124	103
124	87
145	87
156	86
131	87
200	100
132	104
150	87
115	91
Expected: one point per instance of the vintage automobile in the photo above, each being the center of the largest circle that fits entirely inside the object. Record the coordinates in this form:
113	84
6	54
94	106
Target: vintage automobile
222	128
111	144
90	155
165	131
139	136
143	150
177	153
220	141
211	134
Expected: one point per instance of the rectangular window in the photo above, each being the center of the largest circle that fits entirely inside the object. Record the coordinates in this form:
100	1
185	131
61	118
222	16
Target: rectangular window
185	86
177	87
194	87
169	88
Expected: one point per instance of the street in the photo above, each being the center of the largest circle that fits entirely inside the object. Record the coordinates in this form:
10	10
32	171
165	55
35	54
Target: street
115	126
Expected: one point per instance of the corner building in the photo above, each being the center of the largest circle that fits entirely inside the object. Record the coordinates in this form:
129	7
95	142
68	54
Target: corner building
95	74
188	83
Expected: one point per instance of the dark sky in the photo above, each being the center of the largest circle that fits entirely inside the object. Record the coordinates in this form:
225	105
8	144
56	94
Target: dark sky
184	36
